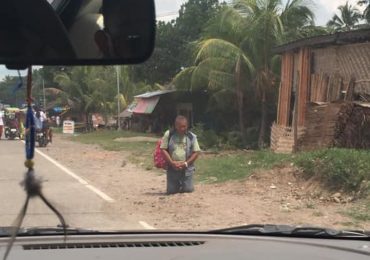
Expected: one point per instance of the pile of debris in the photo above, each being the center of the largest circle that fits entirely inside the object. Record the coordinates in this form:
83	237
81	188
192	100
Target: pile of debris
352	129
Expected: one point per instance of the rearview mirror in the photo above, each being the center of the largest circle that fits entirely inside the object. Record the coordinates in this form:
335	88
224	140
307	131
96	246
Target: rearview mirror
65	32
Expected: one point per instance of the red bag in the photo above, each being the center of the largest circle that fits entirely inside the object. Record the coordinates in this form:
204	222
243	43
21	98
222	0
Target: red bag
159	160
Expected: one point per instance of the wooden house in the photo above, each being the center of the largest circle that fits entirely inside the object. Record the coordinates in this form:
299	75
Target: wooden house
325	85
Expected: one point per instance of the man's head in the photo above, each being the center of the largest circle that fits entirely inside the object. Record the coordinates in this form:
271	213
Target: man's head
181	125
122	34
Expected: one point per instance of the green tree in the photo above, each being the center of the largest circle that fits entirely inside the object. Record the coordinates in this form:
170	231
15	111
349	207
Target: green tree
90	89
348	18
366	12
175	42
163	63
190	24
270	23
237	50
86	90
46	74
9	93
221	66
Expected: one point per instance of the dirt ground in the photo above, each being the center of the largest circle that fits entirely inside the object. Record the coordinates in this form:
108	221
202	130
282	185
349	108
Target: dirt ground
136	139
278	196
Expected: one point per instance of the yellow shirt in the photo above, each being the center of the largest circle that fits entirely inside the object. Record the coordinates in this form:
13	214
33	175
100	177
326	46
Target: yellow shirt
179	142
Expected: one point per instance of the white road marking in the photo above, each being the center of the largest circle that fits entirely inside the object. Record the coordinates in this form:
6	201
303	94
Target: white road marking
146	225
100	193
76	177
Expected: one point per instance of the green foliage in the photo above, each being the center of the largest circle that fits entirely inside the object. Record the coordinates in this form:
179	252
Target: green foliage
88	89
183	79
343	170
360	212
7	94
174	42
251	137
234	166
235	54
347	20
338	169
210	139
163	63
140	151
366	12
235	139
206	138
198	130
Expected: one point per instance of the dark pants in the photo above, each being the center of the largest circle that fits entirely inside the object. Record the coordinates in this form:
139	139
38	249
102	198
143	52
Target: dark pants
179	181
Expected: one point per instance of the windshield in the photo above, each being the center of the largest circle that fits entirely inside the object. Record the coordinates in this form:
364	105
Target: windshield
247	112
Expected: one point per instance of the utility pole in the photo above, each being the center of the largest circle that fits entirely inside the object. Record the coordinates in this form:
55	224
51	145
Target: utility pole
118	99
43	93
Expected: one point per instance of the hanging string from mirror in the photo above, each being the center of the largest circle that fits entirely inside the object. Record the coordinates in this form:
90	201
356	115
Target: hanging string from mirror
19	84
31	183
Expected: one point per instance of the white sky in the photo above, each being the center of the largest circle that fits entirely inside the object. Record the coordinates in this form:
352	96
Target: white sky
167	10
323	9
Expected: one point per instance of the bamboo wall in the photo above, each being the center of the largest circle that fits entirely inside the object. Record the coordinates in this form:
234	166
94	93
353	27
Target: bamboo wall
348	61
320	128
326	88
287	65
329	74
304	79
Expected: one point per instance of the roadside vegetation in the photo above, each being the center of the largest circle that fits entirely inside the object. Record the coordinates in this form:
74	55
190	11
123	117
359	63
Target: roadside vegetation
344	170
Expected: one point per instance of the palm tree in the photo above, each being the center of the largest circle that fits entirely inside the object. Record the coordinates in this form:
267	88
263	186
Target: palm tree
347	20
221	66
86	90
366	12
238	48
270	23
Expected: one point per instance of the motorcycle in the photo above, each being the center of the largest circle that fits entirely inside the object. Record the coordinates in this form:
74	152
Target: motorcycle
42	138
11	133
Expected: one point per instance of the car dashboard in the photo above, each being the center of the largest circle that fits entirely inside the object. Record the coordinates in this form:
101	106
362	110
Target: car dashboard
184	246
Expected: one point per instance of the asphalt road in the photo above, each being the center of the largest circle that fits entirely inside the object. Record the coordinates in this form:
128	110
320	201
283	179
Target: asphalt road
81	204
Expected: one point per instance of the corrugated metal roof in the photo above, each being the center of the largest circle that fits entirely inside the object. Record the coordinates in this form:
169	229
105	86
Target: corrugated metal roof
145	105
154	93
125	114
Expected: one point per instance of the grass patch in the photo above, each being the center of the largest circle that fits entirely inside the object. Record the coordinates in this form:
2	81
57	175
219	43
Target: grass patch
317	214
233	166
347	170
140	151
310	205
106	139
57	130
360	212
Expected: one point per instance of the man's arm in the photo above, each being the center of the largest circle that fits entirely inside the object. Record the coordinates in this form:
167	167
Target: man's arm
167	156
184	165
195	154
169	160
192	158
